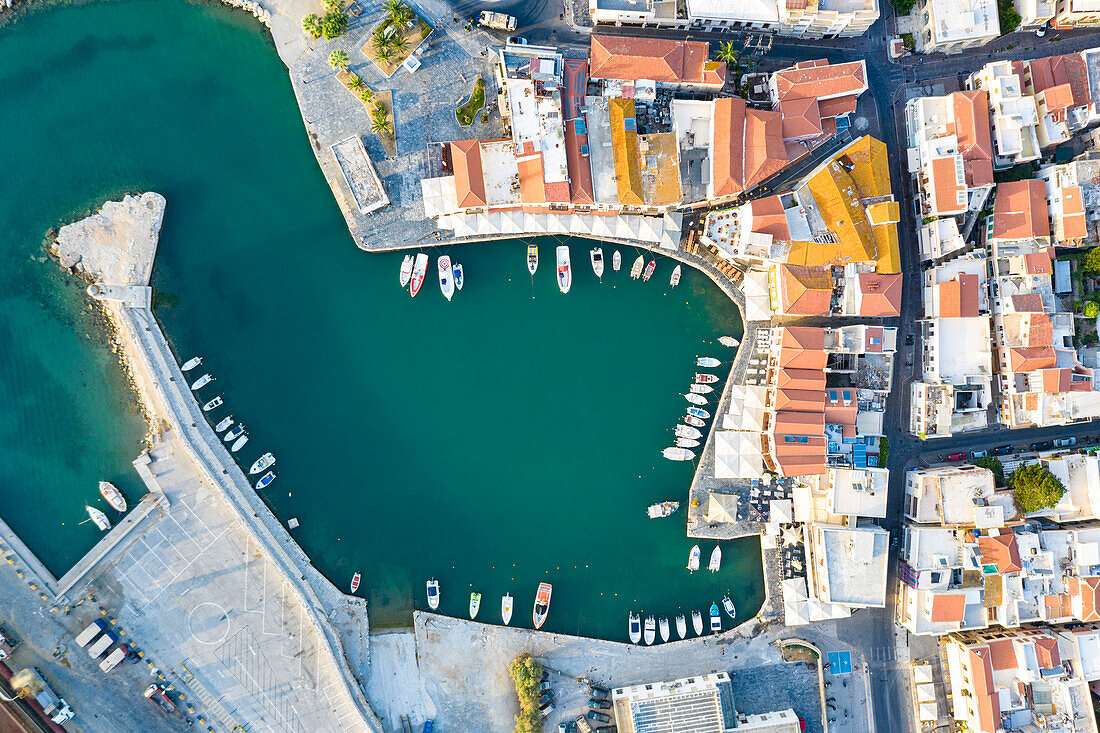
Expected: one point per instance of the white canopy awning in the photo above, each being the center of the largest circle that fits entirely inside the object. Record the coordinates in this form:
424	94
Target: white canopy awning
722	508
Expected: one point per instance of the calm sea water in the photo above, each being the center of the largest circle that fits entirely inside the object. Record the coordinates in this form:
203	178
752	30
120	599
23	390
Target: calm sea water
506	438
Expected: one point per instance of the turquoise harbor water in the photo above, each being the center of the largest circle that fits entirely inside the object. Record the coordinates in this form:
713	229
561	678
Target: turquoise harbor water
507	438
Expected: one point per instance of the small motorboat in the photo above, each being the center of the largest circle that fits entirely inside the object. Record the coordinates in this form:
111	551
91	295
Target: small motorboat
697	622
729	341
705	378
616	261
226	422
542	605
695	421
191	363
112	495
634	625
650	629
675	279
420	271
475	604
698	412
234	432
406	270
565	275
532	258
696	399
216	402
202	381
702	388
715	619
98	518
708	361
506	608
265	480
663	626
264	461
596	255
681	626
664	509
433	594
649	270
730	608
238	444
715	563
693	558
678	454
636	270
683	431
446	281
687	443
458	275
355	581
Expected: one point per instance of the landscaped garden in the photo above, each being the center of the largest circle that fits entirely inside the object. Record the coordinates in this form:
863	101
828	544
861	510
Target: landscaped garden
469	110
378	104
396	38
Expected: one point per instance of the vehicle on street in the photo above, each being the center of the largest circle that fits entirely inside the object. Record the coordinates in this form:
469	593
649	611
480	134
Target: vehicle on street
1002	450
544	711
600	717
955	457
545	697
980	454
114	658
1063	442
100	645
157	695
90	632
599	704
599	693
544	685
499	21
1044	445
517	41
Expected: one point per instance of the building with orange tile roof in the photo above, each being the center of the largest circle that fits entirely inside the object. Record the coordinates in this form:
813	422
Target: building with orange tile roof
1061	88
1020	211
469	175
1073	200
675	63
812	94
804	291
878	295
746	148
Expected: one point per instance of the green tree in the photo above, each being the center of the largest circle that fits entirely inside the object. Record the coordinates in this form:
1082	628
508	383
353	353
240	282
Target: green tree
384	55
1092	309
380	124
993	464
1006	12
527	674
381	39
311	24
334	25
398	11
338	59
355	84
398	44
1035	487
1091	261
333	6
727	53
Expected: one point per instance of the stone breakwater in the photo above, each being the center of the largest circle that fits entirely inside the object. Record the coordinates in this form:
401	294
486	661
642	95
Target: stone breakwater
259	12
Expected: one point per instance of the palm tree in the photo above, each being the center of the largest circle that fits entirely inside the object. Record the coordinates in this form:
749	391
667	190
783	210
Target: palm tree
311	24
381	40
338	59
380	124
398	44
398	11
355	84
384	55
726	52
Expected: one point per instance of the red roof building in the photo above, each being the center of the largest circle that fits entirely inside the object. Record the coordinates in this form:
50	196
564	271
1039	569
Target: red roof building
666	61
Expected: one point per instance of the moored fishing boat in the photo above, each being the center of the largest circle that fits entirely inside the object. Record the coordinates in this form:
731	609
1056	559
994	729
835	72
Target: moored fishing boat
216	402
506	608
730	608
532	258
238	444
695	421
707	361
475	604
420	271
433	594
681	626
715	619
225	423
696	399
683	431
702	388
636	269
705	378
202	381
650	629
616	261
406	270
266	479
98	518
663	625
191	363
596	255
698	412
235	432
677	454
634	626
715	563
693	558
112	495
649	270
697	622
687	443
446	281
355	581
542	605
675	279
565	275
663	509
729	341
264	461
458	275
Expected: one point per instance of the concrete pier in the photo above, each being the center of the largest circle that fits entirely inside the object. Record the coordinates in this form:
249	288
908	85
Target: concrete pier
26	562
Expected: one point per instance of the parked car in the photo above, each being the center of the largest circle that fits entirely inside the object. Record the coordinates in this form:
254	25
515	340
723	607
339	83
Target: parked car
582	725
955	457
546	697
599	717
599	693
1002	450
909	340
544	685
1063	442
599	704
429	726
1045	445
544	711
157	695
517	41
980	454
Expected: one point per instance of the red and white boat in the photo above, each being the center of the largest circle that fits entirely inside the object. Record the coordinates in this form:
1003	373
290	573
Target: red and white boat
446	281
420	269
113	496
649	270
565	275
542	604
355	581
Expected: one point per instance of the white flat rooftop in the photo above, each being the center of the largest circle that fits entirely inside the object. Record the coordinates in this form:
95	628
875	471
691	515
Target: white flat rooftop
855	564
956	364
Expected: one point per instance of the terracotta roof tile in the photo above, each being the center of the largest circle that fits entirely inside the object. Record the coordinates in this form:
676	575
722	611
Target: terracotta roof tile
1020	211
948	608
1073	214
1056	380
838	106
1002	654
805	291
973	132
1054	71
765	154
469	175
800	400
658	59
821	80
1028	359
988	703
801	118
1046	650
768	218
1087	589
1038	263
1001	550
881	294
1040	331
945	187
727	153
800	379
959	297
803	337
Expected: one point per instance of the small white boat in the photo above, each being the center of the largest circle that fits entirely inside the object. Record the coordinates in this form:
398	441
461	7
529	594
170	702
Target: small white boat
708	361
663	625
681	626
433	594
683	431
687	443
238	443
98	518
636	270
697	622
458	275
506	608
565	276
729	341
355	581
696	399
475	604
728	605
695	421
234	433
715	619
420	271
406	270
532	258
705	378
264	461
266	479
678	454
715	563
216	402
698	412
542	605
202	381
596	255
649	270
616	261
675	279
191	363
634	625
446	281
663	509
702	388
113	496
693	558
225	423
650	629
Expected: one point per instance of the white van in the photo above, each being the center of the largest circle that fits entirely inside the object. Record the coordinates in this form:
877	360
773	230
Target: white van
101	645
113	658
91	632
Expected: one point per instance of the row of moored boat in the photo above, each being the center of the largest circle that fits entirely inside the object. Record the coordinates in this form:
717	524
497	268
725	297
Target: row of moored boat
114	499
539	612
415	269
689	435
637	631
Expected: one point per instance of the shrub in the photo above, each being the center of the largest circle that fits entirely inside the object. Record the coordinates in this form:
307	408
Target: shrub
311	24
484	116
1092	309
993	464
1035	487
883	451
526	674
1091	261
334	25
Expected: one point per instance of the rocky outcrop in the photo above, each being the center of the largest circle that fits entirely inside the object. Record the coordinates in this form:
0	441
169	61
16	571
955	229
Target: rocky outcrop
115	246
